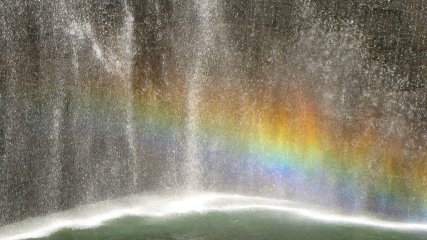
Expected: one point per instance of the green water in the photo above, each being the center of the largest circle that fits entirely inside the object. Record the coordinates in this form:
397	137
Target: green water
245	225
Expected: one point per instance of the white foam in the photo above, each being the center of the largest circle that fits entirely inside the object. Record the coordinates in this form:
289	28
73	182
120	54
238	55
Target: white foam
165	205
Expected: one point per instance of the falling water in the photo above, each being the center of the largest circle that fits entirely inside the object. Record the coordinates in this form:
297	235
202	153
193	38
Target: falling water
205	11
127	58
317	101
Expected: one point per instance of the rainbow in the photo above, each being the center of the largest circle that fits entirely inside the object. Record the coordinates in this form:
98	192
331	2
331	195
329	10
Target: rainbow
292	145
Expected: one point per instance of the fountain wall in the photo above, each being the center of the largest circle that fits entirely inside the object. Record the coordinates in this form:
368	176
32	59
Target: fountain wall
318	101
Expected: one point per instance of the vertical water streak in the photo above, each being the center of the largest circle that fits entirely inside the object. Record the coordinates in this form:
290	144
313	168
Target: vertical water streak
83	130
54	61
3	169
205	11
127	48
10	124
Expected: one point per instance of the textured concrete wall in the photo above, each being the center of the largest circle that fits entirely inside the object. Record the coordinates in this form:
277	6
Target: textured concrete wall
395	34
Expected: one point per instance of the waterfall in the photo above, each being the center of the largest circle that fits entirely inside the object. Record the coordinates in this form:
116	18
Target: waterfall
127	58
205	11
101	99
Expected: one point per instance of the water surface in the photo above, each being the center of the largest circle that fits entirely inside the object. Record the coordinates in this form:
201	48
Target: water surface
206	215
243	225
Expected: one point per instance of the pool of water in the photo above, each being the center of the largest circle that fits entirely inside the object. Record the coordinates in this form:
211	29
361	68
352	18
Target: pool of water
205	216
227	225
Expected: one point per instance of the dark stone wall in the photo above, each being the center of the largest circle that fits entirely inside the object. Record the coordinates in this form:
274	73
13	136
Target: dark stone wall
394	30
394	35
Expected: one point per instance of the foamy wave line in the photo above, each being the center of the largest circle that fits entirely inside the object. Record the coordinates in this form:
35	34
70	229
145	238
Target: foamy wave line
90	216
